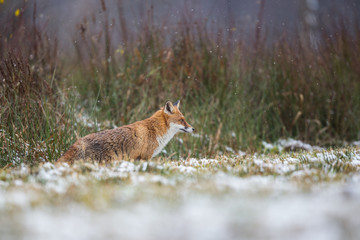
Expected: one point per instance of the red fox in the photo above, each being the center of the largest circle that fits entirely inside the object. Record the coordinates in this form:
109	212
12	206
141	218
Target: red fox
140	140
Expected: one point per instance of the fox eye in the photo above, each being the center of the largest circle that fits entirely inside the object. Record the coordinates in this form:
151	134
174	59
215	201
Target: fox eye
182	121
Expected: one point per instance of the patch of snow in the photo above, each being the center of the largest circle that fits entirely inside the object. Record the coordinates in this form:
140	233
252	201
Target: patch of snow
18	182
162	180
313	159
355	162
229	149
24	169
274	165
267	146
184	169
192	162
126	166
18	198
326	156
241	153
3	184
290	145
292	160
284	168
206	161
302	173
252	183
199	162
144	166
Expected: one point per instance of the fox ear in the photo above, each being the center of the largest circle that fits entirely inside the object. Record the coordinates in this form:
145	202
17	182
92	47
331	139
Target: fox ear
169	108
177	104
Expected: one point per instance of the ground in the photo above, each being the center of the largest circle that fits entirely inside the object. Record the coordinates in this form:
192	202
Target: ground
302	195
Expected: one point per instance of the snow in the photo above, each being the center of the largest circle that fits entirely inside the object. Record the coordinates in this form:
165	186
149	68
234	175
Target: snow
292	160
241	153
229	149
184	169
290	145
287	196
275	165
198	162
355	162
327	214
268	146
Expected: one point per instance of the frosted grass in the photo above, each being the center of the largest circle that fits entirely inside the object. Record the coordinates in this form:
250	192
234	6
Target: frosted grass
307	195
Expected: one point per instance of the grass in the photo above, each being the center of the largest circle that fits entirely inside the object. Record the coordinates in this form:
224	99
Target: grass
235	95
194	198
318	167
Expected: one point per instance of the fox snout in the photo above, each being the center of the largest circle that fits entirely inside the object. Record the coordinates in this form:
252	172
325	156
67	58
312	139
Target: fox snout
188	129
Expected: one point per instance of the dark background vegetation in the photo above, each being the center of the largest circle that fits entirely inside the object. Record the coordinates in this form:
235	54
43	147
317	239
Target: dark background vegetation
274	71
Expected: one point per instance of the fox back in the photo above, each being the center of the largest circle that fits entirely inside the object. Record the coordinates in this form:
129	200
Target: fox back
140	140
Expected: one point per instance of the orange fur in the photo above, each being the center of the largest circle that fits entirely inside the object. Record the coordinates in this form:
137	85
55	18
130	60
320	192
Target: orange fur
138	140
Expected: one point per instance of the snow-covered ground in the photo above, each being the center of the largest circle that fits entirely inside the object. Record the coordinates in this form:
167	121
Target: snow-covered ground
306	195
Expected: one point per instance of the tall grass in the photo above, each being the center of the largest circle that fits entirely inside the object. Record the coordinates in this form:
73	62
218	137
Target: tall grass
235	95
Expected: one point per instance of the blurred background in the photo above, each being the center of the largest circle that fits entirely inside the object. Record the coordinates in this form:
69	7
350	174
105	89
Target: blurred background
238	17
246	72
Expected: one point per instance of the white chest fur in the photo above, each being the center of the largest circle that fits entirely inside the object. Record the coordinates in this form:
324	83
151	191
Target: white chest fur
164	139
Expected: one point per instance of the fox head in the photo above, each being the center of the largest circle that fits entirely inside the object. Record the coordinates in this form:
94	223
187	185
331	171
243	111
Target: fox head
176	119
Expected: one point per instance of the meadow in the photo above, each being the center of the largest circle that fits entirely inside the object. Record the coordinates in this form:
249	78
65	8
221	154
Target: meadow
252	196
276	153
235	93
